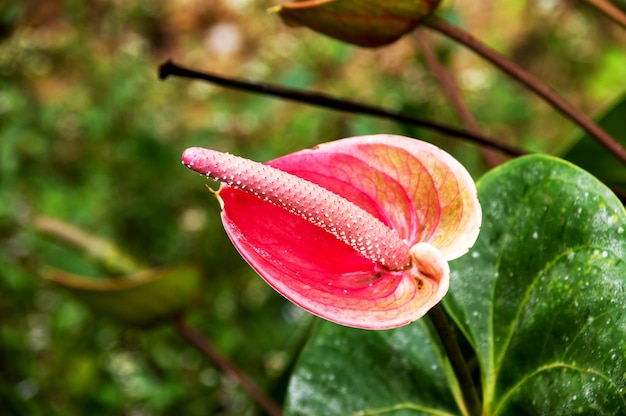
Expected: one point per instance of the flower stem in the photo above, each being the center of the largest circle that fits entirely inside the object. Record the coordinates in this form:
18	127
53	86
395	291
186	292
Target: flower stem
610	10
326	101
534	84
459	366
209	350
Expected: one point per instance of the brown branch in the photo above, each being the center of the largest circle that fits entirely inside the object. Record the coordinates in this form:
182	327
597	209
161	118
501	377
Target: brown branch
225	365
451	91
532	83
326	101
610	10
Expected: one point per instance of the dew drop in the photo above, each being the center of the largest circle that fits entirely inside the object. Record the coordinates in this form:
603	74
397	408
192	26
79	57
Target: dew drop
535	235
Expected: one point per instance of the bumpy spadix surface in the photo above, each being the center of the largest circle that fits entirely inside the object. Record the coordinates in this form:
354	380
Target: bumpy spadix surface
357	231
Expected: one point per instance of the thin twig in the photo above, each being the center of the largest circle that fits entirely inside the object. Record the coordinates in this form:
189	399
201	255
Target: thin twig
323	100
451	91
611	10
532	83
459	366
209	350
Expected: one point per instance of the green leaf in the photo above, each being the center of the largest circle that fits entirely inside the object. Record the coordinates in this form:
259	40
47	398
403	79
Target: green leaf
592	156
347	371
142	299
541	296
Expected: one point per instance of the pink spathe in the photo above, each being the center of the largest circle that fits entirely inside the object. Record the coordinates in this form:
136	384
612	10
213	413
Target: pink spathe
357	231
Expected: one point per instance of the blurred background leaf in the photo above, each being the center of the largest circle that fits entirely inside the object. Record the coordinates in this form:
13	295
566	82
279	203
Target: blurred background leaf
365	22
144	299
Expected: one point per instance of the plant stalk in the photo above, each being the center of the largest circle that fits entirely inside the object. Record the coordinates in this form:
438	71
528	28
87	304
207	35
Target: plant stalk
326	101
225	365
610	10
459	366
534	84
451	91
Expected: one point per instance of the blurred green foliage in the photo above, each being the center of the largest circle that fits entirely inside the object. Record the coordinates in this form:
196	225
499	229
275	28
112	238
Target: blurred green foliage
90	136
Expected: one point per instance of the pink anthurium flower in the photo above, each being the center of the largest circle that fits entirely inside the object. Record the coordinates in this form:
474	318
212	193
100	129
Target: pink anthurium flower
357	231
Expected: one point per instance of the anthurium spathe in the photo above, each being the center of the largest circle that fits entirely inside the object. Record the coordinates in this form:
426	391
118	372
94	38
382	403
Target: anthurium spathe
357	231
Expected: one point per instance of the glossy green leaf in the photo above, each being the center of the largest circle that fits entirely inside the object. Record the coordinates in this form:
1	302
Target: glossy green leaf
593	157
142	299
542	294
541	297
347	371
